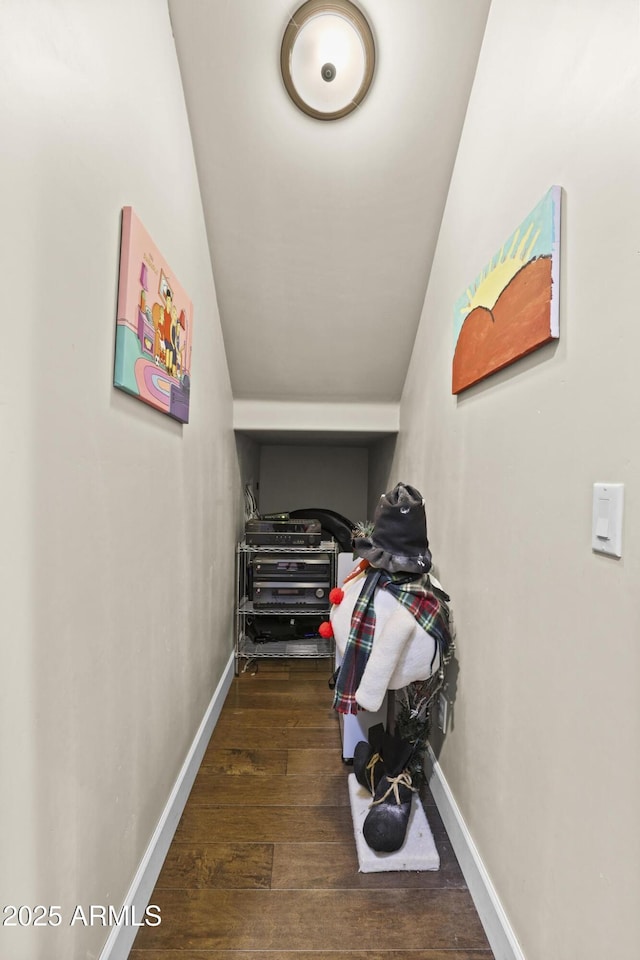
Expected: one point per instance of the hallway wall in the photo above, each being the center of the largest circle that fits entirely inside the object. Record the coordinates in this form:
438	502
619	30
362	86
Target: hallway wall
118	524
543	756
293	477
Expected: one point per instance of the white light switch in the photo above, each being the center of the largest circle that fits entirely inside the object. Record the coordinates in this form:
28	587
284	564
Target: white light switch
606	531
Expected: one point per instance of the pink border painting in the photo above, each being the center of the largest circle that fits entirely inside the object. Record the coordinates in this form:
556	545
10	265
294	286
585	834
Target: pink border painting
153	327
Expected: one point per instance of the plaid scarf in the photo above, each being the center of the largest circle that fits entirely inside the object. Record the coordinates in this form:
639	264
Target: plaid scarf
430	611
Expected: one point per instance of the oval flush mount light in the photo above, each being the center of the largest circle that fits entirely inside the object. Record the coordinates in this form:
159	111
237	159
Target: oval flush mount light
327	58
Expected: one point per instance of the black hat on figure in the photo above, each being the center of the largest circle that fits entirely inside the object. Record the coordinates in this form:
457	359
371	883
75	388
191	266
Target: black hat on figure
399	541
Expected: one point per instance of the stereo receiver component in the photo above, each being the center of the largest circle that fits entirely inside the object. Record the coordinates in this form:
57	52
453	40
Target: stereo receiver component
283	533
283	566
311	596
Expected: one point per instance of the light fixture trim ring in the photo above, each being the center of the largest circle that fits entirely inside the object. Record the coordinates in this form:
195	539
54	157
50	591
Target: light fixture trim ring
348	11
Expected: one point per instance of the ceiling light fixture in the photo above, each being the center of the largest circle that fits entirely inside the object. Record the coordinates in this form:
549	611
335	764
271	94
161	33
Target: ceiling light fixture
327	58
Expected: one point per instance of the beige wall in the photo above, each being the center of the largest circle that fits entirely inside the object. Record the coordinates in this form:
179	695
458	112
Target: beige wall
380	465
118	524
543	758
293	477
248	452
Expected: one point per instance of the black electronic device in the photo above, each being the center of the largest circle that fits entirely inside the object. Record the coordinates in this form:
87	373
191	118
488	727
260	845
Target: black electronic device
291	567
308	596
271	628
283	533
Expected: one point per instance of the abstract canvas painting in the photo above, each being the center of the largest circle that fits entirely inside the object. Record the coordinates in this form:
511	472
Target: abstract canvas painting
511	308
154	325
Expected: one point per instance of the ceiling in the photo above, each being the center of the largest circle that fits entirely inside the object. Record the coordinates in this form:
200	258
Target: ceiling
322	233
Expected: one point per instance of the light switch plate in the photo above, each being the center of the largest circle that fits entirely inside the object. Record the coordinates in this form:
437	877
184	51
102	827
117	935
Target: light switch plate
606	527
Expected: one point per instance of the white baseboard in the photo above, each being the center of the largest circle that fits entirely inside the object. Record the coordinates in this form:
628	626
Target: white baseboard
496	924
121	938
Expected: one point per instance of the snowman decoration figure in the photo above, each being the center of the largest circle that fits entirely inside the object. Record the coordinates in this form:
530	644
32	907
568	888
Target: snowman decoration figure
390	620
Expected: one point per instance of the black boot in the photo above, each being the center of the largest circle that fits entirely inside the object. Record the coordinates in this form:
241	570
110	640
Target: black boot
367	759
385	825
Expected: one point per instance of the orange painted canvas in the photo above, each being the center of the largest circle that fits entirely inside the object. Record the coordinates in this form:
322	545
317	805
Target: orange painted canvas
153	327
512	307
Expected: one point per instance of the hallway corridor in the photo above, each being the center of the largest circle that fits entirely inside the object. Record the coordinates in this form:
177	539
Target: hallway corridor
263	863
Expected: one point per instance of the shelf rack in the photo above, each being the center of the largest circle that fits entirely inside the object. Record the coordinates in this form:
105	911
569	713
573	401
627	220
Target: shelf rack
311	645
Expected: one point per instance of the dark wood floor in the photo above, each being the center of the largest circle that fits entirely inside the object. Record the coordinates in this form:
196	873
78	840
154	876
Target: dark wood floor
263	864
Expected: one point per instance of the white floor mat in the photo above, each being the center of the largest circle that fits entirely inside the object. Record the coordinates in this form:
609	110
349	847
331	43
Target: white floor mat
418	852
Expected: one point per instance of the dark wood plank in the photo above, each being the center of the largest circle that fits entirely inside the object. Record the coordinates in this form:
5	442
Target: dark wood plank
235	761
312	762
246	733
331	866
341	920
246	789
217	865
421	954
301	705
264	824
321	665
253	674
297	686
292	667
280	716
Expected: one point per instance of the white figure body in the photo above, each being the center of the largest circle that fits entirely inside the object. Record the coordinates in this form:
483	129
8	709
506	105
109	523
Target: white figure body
402	651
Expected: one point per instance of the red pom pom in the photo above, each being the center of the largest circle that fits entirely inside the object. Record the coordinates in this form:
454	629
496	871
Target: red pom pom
336	595
325	630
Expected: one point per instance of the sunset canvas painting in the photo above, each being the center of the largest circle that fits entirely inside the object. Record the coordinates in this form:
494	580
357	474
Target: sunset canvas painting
512	307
